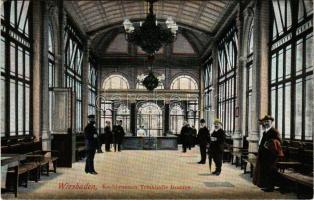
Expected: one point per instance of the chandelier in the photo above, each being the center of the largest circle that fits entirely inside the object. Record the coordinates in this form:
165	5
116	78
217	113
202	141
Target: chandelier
151	35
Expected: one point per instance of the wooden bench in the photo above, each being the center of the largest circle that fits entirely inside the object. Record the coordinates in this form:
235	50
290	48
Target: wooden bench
35	162
251	159
80	151
297	167
302	184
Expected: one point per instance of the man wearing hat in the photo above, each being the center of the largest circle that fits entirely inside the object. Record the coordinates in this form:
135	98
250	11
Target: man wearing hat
269	150
91	139
217	145
203	138
118	135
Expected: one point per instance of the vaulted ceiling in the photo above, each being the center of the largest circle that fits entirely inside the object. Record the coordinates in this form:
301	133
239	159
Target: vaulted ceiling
198	20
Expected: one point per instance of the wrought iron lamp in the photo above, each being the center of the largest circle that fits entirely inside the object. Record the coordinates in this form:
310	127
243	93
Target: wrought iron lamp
151	35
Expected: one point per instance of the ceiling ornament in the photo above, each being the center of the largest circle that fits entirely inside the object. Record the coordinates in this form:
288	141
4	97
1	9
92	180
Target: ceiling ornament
151	35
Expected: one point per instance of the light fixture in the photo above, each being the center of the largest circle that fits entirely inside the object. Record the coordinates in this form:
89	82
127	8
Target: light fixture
151	35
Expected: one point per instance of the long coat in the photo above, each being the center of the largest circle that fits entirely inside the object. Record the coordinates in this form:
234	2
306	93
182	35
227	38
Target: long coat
203	136
118	134
108	134
218	145
91	137
268	153
185	133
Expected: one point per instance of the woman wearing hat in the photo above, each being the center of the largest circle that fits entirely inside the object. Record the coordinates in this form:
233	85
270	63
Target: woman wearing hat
269	151
217	145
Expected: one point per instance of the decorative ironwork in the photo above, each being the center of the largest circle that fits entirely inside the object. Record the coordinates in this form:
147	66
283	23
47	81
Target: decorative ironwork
151	35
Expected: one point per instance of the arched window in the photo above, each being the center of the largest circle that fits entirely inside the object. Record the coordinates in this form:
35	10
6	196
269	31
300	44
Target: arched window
115	82
176	118
184	82
149	115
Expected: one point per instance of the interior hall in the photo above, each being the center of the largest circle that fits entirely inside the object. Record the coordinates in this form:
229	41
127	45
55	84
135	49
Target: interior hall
133	99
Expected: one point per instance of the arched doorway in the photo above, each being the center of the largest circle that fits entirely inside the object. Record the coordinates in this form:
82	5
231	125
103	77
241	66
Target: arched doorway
149	115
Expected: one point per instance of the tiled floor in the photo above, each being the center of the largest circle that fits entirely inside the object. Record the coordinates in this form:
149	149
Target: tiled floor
147	174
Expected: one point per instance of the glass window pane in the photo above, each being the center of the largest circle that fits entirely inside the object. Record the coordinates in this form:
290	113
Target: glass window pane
20	108
299	56
280	106
27	66
12	108
12	13
309	109
298	110
2	105
280	65
278	16
289	14
273	101
12	58
273	69
23	16
309	52
288	61
27	108
2	54
20	62
288	111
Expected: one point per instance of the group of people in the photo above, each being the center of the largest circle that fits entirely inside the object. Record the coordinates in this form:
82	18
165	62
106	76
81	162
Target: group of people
269	150
114	136
269	147
188	136
212	143
95	141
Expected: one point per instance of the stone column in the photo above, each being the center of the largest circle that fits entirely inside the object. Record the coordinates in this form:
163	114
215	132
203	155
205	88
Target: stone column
133	118
214	98
237	136
167	118
85	90
201	94
46	140
260	70
37	48
60	57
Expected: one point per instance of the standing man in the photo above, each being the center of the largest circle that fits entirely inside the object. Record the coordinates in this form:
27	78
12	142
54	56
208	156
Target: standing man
108	136
91	141
194	134
217	145
203	138
184	136
269	150
118	133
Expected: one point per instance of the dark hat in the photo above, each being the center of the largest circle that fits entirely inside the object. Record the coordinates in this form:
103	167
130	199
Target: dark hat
267	117
91	116
202	121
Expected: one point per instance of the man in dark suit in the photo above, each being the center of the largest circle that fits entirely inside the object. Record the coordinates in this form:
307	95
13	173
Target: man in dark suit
118	134
185	132
217	145
269	151
203	139
108	136
91	141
